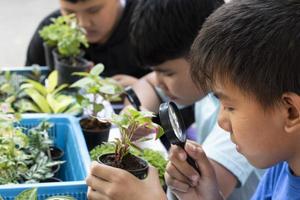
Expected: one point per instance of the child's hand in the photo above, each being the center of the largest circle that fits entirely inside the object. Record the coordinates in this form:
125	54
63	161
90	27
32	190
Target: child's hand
125	80
184	181
111	183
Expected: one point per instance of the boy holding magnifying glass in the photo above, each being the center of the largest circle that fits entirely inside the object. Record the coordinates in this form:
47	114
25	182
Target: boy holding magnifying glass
163	32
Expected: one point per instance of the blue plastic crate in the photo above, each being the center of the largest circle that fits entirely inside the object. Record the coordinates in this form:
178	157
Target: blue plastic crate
67	135
25	70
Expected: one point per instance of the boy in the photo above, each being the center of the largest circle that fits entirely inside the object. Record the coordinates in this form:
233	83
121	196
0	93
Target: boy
107	26
160	41
247	53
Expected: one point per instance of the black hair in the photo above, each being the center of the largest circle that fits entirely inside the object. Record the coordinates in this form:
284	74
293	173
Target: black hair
165	29
253	44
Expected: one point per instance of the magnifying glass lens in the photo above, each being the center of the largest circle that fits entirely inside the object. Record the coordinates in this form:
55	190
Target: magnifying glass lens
175	125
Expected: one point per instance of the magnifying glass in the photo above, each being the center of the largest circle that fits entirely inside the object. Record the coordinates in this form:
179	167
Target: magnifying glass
132	98
172	123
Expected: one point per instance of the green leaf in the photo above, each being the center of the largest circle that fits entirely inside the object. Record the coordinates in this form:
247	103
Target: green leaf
1	198
60	88
38	87
82	82
39	100
63	103
107	89
30	194
25	105
52	81
80	74
74	109
98	107
160	132
97	69
52	102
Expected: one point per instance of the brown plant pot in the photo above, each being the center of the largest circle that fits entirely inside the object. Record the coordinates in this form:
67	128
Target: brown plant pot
133	164
65	68
94	131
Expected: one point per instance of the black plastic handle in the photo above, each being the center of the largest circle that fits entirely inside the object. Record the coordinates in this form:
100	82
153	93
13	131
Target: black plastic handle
189	159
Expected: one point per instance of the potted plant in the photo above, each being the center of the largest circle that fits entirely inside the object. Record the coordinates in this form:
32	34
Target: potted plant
95	90
24	159
155	158
37	98
10	87
65	38
128	123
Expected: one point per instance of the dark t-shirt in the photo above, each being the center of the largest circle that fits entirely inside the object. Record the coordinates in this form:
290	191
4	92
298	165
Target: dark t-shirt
116	54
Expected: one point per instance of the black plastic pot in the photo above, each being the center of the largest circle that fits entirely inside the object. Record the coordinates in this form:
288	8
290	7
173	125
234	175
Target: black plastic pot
56	153
140	172
55	169
51	180
66	69
96	135
49	56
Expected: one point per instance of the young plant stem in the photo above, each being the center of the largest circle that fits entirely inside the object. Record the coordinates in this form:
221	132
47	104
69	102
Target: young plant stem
94	105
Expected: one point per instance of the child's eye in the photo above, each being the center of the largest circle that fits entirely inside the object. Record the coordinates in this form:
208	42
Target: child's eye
168	74
94	10
215	95
229	109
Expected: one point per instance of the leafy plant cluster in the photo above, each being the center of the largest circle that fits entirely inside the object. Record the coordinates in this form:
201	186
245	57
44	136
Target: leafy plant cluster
18	93
10	86
95	89
24	158
155	158
48	98
65	34
128	123
31	194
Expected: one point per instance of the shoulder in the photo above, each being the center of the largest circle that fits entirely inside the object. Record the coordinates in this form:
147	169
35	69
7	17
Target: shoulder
269	181
48	19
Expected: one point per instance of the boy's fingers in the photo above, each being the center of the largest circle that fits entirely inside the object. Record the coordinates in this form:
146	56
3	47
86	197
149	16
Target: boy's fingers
174	173
178	158
96	183
105	172
196	152
93	195
175	184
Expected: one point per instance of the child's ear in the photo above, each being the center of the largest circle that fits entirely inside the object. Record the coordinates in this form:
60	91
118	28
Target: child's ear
292	107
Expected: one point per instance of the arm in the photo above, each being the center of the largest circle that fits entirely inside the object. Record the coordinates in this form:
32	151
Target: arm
110	183
125	80
144	88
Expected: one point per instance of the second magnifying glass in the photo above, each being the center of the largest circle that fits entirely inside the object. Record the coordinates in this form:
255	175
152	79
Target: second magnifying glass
172	123
133	98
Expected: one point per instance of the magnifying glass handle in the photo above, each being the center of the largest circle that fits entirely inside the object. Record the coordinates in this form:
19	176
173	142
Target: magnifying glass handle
190	160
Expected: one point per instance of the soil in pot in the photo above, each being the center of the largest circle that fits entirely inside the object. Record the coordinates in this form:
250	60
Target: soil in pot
135	165
66	67
95	132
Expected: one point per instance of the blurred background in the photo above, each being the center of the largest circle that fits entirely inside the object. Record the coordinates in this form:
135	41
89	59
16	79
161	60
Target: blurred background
18	21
